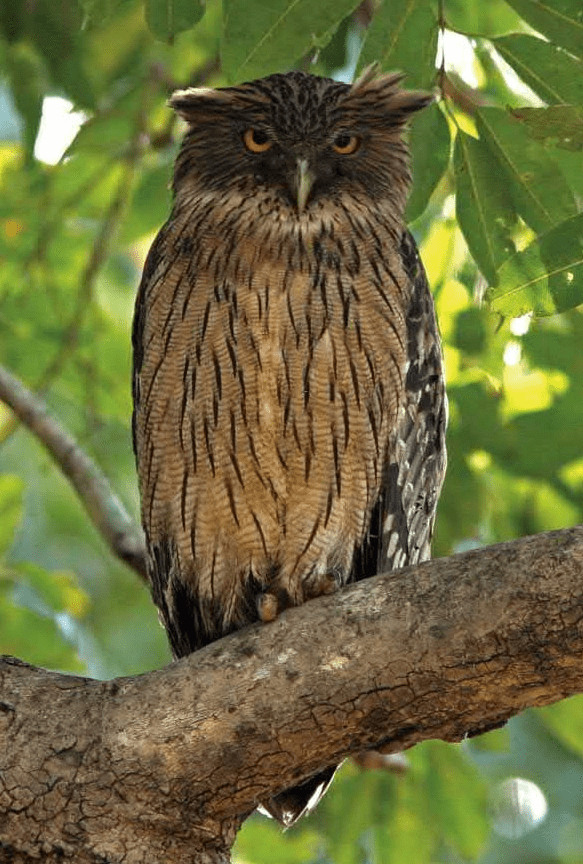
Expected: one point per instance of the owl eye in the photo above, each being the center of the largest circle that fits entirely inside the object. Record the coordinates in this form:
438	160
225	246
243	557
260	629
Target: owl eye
346	144
257	141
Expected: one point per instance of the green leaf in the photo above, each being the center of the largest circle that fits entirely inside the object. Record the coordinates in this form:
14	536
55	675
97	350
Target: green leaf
565	720
274	34
549	71
547	347
569	162
97	12
470	332
166	18
150	206
401	828
428	162
535	182
56	31
546	277
476	16
333	56
11	488
346	813
262	842
58	589
38	639
111	129
496	741
561	125
483	207
561	21
461	814
28	84
403	36
12	20
461	817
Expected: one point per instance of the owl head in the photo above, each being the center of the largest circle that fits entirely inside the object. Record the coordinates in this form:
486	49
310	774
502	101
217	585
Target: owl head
300	140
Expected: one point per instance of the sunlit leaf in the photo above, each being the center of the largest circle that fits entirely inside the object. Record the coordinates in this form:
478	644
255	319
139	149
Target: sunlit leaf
403	37
58	589
263	842
535	183
550	347
549	71
524	451
346	814
496	741
405	834
565	720
561	125
111	129
166	18
475	16
10	509
457	798
561	21
428	163
24	633
484	210
276	34
546	277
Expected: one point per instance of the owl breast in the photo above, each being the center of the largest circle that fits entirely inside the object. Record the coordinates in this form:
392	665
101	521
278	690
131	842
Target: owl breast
264	467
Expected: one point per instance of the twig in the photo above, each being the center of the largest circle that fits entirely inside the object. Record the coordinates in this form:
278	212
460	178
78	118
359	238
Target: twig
104	508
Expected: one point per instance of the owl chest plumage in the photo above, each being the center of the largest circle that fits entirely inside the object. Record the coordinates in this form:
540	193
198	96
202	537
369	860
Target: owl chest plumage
270	390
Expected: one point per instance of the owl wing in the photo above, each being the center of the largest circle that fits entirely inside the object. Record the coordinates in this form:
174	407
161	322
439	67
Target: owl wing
176	603
402	519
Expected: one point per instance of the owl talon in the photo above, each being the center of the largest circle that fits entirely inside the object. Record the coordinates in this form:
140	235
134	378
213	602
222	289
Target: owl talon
268	607
326	583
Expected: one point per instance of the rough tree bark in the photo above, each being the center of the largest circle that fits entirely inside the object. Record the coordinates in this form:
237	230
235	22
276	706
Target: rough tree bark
165	766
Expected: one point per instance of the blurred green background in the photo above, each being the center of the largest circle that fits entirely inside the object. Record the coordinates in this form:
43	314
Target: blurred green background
86	151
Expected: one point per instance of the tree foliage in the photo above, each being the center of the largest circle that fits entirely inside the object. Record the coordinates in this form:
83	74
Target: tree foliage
496	208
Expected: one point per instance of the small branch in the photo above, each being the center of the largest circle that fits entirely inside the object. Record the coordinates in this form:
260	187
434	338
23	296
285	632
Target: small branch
105	510
165	766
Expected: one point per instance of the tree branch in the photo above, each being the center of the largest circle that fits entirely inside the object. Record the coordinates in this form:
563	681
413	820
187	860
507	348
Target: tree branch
165	766
104	508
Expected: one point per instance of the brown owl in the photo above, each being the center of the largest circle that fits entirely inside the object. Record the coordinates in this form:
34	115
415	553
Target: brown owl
289	407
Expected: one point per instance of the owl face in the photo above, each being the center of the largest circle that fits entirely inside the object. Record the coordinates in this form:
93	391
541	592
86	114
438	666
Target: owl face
299	139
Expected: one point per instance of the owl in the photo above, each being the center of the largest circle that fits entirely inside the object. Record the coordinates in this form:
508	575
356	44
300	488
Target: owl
289	406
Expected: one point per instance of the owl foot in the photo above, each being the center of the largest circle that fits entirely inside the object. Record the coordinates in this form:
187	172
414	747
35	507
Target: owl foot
273	603
323	583
268	607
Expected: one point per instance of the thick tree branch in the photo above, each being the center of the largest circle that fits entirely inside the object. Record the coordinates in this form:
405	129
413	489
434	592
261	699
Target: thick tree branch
104	508
165	765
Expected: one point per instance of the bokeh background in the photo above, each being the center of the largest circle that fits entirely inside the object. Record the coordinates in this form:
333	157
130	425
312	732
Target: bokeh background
86	151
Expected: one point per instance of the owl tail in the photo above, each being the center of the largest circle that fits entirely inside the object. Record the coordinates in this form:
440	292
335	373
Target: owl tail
289	805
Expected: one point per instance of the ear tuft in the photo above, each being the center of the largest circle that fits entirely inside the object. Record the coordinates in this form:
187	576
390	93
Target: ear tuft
197	100
384	91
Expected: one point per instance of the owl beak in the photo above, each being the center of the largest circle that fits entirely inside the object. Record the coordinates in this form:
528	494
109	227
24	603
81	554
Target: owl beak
303	182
